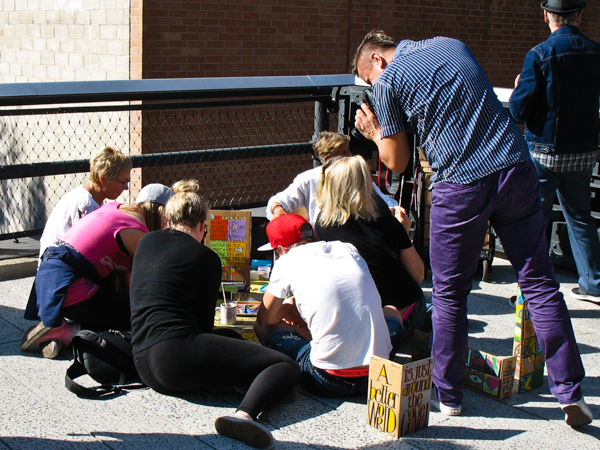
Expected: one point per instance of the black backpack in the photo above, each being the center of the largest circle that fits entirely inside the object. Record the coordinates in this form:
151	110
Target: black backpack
106	356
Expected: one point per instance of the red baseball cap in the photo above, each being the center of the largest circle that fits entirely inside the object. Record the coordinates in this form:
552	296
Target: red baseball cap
286	230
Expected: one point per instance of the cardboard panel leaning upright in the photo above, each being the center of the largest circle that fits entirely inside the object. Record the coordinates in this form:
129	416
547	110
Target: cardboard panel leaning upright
529	372
399	395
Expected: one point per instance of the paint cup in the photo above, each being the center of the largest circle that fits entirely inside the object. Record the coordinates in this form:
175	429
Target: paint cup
228	312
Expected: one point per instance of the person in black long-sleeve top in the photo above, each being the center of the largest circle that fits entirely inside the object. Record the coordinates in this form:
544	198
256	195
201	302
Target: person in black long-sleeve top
349	212
174	290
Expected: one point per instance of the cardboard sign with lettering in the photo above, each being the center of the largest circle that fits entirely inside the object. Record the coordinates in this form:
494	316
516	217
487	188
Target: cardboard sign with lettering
228	234
399	395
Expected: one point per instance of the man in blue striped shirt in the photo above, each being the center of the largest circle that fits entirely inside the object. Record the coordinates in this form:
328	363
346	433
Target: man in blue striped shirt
482	172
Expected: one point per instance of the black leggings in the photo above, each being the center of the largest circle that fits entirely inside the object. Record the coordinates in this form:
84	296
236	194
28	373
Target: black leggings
207	359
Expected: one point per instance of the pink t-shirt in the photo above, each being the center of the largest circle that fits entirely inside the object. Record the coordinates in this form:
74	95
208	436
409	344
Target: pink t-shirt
95	237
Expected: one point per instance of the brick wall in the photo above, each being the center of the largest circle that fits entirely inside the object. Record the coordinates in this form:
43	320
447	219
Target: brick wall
75	40
57	40
45	40
203	38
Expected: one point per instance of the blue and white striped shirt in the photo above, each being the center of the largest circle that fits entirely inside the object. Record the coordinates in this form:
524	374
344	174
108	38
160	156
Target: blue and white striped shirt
436	89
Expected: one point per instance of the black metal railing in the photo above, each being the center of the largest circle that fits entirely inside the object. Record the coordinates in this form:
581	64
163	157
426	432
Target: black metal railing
242	138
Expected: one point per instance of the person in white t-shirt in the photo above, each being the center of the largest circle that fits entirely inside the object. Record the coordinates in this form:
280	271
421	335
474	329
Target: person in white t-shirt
109	177
334	322
303	190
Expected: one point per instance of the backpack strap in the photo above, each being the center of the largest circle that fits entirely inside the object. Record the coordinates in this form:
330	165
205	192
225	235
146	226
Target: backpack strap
86	341
76	370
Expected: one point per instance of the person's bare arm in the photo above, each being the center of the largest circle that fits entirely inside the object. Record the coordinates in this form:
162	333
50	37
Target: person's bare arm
270	311
413	263
400	214
277	210
393	150
130	238
274	310
291	314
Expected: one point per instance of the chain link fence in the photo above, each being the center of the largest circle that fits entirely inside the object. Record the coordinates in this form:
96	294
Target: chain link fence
242	147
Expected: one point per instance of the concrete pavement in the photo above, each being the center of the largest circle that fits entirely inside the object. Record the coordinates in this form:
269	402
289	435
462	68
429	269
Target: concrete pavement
37	411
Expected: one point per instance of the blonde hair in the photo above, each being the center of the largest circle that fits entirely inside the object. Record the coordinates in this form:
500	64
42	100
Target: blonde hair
329	142
374	40
345	190
108	164
186	207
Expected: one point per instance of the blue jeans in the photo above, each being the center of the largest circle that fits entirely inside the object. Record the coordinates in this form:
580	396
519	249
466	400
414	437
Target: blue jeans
403	331
416	319
289	342
574	196
510	199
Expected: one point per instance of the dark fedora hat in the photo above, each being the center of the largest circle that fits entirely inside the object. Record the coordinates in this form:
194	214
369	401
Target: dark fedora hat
563	6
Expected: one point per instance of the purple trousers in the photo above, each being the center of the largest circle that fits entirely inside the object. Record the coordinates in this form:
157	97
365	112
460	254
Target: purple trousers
510	199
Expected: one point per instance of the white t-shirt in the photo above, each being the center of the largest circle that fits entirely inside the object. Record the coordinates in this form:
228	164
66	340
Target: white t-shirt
337	298
303	193
70	208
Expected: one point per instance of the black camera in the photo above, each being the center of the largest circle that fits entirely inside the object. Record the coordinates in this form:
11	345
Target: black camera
367	98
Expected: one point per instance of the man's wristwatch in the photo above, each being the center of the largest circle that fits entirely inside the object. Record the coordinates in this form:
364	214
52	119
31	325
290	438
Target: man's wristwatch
275	207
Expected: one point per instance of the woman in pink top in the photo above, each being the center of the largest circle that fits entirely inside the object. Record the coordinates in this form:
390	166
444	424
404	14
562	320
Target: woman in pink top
77	277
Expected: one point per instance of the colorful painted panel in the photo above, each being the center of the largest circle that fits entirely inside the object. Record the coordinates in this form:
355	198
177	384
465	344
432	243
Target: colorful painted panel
228	234
486	374
489	375
529	372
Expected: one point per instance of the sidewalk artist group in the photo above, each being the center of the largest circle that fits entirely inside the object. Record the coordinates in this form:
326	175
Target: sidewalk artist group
345	281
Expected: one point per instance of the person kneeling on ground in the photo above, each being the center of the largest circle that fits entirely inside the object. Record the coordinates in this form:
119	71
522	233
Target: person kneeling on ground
109	177
334	322
302	193
84	277
174	289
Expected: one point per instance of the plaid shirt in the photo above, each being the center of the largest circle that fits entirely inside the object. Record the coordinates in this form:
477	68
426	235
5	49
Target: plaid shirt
566	162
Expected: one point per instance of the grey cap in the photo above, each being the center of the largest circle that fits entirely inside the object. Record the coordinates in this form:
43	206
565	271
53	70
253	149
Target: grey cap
155	193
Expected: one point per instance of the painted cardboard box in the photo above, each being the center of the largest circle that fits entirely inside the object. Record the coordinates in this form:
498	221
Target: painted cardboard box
530	361
422	343
399	395
489	375
486	374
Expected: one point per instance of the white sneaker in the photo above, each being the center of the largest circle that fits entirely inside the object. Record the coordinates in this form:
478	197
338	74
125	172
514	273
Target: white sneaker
577	414
580	294
444	409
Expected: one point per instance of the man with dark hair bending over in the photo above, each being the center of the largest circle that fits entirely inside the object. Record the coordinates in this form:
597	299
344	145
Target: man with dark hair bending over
482	172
